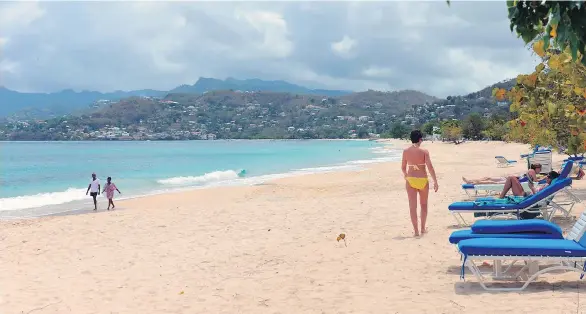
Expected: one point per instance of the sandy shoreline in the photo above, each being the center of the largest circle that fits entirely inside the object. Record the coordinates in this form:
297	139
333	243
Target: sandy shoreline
269	248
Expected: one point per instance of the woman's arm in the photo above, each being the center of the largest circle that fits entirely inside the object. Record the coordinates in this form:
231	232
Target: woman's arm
533	178
431	170
404	165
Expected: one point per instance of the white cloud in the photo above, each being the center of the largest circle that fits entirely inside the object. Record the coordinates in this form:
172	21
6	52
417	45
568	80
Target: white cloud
273	28
479	72
7	66
378	72
441	50
15	15
344	47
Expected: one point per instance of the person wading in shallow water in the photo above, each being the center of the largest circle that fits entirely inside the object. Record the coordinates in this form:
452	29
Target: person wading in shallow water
415	161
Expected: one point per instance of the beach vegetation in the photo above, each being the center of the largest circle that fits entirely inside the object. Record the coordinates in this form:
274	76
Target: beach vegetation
545	24
398	130
549	104
451	131
472	126
496	128
427	128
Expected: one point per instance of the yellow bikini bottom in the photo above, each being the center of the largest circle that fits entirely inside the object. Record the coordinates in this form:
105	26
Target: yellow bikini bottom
417	183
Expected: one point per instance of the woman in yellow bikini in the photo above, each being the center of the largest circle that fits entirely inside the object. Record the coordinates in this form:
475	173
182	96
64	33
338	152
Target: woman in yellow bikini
415	161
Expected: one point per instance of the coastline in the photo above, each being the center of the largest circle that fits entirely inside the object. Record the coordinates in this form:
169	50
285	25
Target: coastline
269	248
79	206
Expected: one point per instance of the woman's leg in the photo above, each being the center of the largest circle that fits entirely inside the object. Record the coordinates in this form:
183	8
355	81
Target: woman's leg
412	195
423	196
512	183
112	202
485	180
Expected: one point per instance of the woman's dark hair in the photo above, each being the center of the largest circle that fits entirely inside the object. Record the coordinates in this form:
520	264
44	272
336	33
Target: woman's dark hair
553	175
109	178
535	166
416	136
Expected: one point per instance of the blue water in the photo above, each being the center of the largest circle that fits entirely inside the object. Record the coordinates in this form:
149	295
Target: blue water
34	174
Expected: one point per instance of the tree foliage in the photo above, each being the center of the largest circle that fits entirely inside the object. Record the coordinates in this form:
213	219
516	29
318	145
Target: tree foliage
561	24
473	126
550	102
427	128
496	128
451	131
398	130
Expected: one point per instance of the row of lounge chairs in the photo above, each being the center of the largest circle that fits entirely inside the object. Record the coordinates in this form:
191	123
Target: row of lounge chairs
517	247
541	202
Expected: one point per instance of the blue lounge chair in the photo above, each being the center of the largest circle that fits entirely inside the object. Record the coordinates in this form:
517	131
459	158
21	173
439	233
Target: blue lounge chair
568	255
483	190
473	190
513	206
514	229
504	162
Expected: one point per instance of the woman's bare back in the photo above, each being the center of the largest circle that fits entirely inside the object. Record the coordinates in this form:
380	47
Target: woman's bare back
415	158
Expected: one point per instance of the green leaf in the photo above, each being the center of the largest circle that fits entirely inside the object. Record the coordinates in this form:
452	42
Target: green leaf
527	37
540	67
555	18
546	38
551	108
562	37
574	46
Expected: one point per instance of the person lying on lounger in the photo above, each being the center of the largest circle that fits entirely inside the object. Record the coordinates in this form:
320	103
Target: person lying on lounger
532	174
516	188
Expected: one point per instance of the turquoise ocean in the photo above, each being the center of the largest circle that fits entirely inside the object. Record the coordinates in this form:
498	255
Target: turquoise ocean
45	178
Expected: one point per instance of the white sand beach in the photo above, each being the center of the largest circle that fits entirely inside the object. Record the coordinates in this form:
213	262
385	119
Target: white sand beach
271	248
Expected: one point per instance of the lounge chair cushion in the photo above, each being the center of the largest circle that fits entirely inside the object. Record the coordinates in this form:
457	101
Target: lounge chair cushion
517	226
517	199
461	235
525	203
470	206
521	247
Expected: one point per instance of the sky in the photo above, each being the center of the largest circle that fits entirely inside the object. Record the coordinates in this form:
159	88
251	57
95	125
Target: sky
106	46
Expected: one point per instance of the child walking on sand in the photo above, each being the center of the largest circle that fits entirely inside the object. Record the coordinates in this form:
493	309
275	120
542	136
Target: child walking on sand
109	188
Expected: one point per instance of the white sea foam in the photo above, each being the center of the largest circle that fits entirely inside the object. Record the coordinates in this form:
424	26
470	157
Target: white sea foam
383	150
326	169
207	178
211	179
42	199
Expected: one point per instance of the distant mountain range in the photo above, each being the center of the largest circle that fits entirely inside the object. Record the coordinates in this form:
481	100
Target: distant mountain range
42	105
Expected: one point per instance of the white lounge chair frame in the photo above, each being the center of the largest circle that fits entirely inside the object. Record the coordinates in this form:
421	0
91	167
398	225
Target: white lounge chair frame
502	162
490	190
530	271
